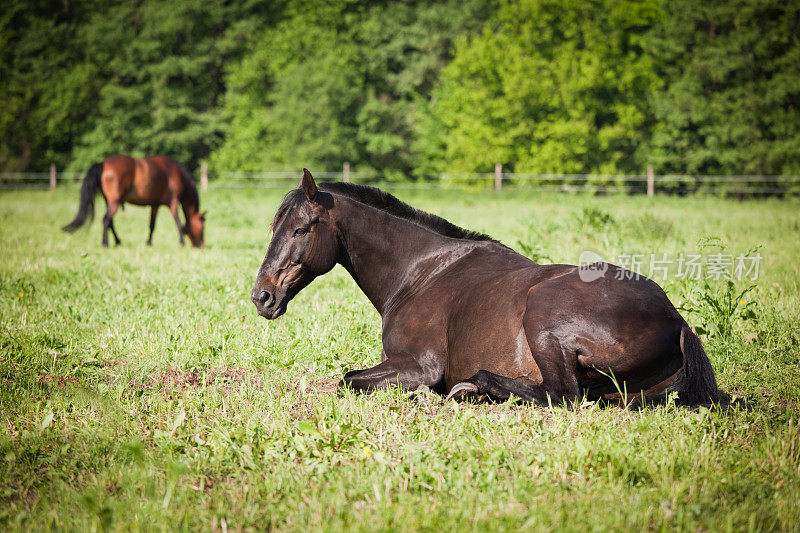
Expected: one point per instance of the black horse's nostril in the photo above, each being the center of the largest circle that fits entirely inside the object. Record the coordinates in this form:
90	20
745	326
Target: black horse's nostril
260	297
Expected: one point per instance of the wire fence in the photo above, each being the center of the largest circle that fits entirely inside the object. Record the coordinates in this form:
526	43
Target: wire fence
729	185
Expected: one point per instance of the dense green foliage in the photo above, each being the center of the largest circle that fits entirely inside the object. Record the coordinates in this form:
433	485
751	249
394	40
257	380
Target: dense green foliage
404	89
46	89
732	104
86	79
163	78
139	389
338	81
553	86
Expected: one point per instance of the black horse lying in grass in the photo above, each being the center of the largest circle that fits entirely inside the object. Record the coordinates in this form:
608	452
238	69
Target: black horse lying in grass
465	314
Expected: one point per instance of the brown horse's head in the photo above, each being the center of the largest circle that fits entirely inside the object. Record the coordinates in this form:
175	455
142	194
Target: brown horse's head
304	245
194	229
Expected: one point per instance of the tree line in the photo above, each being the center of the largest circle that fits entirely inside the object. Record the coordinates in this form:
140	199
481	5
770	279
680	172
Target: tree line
405	90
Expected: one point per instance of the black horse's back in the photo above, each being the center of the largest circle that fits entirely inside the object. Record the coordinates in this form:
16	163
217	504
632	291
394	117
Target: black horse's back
88	189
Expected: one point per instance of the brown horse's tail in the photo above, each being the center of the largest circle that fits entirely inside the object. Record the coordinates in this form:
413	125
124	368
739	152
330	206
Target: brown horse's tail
88	190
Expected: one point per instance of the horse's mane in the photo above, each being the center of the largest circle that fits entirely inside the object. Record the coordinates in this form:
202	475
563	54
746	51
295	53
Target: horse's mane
386	202
191	190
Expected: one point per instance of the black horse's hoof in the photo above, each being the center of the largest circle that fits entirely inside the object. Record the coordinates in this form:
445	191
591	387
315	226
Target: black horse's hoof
462	390
343	386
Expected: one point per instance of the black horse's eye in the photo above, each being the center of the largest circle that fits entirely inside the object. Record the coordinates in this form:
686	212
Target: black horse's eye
300	231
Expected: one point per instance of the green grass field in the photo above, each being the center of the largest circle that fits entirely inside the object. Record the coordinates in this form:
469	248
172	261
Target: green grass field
139	390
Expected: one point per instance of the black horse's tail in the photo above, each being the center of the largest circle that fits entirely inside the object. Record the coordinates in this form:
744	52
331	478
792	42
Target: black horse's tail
695	383
88	190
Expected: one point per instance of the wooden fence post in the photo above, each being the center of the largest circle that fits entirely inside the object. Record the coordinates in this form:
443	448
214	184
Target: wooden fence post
203	176
498	176
346	172
52	176
651	182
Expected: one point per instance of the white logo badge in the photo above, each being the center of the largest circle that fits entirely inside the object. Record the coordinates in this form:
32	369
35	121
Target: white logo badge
591	266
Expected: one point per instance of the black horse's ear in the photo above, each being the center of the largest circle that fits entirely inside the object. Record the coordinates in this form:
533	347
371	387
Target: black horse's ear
308	185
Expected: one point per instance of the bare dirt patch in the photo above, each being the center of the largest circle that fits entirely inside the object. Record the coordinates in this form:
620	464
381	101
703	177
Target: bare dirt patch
174	378
324	385
59	381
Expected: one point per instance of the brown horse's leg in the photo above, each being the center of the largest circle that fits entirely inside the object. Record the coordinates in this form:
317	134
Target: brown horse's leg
114	232
403	371
173	208
153	213
108	223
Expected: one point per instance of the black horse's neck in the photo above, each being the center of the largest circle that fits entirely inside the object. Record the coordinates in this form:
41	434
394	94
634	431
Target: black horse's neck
388	255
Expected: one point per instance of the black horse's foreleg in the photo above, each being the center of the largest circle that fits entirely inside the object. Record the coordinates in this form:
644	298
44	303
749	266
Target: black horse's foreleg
153	213
402	371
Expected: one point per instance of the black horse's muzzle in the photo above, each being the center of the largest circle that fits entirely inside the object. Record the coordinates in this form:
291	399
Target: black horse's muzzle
269	303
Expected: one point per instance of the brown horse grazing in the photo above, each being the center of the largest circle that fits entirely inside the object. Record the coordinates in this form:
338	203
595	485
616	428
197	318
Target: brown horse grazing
465	314
153	181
